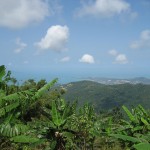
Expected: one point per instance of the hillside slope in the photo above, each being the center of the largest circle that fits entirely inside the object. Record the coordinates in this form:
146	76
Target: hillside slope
108	96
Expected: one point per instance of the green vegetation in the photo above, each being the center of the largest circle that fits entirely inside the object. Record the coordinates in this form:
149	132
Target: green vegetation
106	97
34	116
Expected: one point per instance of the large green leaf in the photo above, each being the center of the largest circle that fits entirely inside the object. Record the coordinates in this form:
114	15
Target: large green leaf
24	139
145	121
126	138
66	112
8	108
142	146
131	117
45	88
143	110
19	96
55	115
8	130
25	97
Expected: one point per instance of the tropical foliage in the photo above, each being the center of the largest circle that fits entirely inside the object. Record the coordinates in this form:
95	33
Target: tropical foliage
35	116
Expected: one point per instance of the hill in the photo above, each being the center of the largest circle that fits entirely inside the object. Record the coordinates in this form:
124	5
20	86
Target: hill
106	97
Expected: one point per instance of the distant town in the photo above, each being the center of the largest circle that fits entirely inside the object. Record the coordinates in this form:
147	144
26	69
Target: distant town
112	81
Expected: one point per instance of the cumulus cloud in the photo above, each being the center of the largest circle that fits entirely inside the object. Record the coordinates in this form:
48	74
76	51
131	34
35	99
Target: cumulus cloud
20	45
86	58
119	58
65	59
143	42
113	52
104	8
20	13
55	39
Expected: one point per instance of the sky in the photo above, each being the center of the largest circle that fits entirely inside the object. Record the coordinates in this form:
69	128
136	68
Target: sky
73	39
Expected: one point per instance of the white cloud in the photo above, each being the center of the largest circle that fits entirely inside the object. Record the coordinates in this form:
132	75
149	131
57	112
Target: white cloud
65	59
86	58
119	58
143	42
113	52
104	8
20	45
20	13
55	39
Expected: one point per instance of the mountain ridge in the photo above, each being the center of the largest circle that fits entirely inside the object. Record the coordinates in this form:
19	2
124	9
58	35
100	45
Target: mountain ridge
106	97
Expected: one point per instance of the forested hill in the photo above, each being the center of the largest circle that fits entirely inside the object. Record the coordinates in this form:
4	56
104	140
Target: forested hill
105	97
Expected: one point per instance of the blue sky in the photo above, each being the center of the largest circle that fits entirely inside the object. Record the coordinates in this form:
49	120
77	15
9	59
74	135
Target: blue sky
76	38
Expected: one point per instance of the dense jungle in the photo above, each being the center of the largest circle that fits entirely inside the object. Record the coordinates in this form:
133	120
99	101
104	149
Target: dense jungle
41	116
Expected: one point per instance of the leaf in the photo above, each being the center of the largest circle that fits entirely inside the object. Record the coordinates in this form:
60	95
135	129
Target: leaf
8	108
39	142
126	138
8	130
144	138
142	146
137	128
55	115
131	117
66	112
24	139
143	110
40	124
19	96
45	88
144	121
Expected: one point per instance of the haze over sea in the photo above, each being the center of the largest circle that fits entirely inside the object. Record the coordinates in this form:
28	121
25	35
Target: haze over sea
64	78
